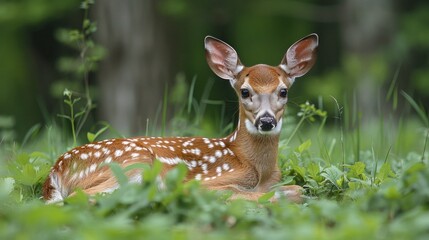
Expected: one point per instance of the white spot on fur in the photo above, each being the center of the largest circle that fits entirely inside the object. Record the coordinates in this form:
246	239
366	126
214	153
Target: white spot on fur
118	153
212	159
196	151
105	150
188	143
86	171
198	176
67	155
84	156
170	161
134	155
92	168
108	159
225	166
210	145
218	153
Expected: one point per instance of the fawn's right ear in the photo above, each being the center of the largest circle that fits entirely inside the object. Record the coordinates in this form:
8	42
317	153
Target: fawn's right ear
222	58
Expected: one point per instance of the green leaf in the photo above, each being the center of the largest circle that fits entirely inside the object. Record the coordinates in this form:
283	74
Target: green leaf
27	175
79	198
266	197
384	172
92	136
356	170
417	167
63	116
119	173
313	170
42	155
134	166
304	146
299	170
333	175
79	114
420	110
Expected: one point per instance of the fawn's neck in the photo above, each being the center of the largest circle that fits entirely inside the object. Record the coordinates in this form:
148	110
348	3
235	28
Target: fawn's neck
260	151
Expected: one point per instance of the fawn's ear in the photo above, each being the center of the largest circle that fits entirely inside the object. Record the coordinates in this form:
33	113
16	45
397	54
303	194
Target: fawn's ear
300	57
222	58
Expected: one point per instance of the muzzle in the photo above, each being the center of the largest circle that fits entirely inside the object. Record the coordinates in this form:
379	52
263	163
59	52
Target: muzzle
265	123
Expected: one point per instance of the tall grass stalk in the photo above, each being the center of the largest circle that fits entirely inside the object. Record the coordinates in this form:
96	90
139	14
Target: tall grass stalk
164	110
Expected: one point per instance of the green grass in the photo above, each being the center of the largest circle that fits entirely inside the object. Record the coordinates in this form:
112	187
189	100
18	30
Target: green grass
370	182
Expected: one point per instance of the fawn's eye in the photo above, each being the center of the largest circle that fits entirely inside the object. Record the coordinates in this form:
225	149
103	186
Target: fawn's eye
245	93
283	92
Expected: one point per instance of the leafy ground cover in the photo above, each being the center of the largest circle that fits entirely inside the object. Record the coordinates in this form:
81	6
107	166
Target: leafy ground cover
370	182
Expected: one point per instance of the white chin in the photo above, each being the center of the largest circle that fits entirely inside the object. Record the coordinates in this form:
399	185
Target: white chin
253	130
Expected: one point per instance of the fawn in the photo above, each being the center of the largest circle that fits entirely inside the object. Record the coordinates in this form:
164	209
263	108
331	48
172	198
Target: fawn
244	162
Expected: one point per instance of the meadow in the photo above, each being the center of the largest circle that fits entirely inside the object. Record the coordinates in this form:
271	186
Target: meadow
364	178
366	182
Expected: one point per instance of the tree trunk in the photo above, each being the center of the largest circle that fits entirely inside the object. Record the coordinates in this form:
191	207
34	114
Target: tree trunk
133	75
367	26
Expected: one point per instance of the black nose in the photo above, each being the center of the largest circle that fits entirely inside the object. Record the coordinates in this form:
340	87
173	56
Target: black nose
266	122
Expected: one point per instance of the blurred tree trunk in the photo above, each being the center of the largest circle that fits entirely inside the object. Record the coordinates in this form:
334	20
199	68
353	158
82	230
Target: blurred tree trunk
367	27
133	75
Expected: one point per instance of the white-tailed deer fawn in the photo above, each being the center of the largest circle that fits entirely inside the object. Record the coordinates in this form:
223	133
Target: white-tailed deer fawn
244	162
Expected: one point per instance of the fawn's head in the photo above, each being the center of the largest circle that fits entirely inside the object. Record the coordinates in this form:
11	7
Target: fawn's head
262	89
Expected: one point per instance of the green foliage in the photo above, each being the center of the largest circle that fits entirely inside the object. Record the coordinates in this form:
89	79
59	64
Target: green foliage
376	197
367	182
347	203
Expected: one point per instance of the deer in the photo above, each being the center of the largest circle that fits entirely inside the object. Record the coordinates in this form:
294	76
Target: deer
244	162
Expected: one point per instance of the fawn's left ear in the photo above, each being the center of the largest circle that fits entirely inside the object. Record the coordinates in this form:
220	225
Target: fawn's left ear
222	58
300	57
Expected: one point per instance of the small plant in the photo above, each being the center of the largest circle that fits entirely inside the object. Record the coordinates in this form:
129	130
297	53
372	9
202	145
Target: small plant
89	54
307	112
